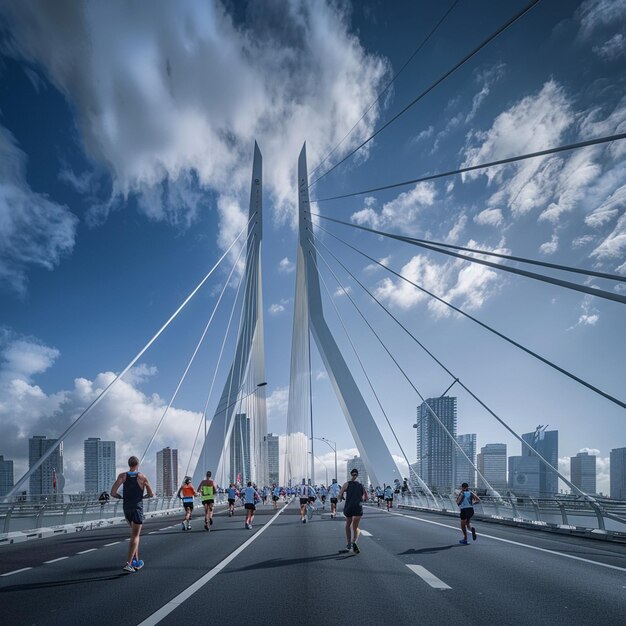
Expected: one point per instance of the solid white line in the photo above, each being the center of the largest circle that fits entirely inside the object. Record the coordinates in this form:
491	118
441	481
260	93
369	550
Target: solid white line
426	576
517	543
165	610
61	558
114	543
17	571
85	551
365	533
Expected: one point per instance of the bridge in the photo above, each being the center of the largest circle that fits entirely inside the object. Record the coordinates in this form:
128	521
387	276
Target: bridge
547	550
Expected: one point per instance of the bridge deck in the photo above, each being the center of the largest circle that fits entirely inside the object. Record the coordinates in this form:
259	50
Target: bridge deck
296	573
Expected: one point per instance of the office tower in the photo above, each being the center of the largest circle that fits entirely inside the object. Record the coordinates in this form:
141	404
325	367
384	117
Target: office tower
465	473
583	472
618	473
100	462
436	456
357	463
528	475
492	465
6	476
240	450
273	458
48	478
167	472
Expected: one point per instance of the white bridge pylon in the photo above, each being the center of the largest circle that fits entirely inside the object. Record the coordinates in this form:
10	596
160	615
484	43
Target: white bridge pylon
309	321
240	394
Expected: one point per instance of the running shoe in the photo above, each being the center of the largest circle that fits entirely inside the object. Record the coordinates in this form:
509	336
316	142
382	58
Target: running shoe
210	521
349	547
474	535
128	568
206	526
183	525
137	564
188	526
355	547
464	542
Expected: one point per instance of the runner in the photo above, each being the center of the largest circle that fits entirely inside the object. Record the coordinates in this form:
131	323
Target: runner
264	493
207	489
304	500
388	493
186	493
334	490
251	497
134	485
231	492
405	488
355	494
379	495
323	494
310	507
466	501
275	496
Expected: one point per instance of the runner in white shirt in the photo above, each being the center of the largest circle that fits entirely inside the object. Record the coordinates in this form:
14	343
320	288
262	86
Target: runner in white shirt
250	497
303	492
334	490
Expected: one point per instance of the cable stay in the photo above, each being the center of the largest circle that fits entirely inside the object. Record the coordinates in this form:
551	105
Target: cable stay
480	166
563	371
593	291
384	91
195	352
440	80
419	478
508	257
422	398
106	390
456	379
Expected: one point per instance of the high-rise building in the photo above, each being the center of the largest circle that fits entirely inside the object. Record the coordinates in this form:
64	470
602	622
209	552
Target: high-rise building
436	458
100	463
6	475
273	458
492	465
583	472
618	473
528	475
240	450
465	473
357	463
48	478
167	472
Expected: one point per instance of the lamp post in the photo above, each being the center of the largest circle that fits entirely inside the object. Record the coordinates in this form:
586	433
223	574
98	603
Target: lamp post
333	446
324	464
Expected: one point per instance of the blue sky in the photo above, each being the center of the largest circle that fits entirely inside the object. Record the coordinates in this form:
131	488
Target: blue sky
126	135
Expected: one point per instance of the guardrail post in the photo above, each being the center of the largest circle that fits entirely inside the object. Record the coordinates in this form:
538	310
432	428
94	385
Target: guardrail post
536	509
513	507
563	512
66	509
84	515
7	519
42	508
598	512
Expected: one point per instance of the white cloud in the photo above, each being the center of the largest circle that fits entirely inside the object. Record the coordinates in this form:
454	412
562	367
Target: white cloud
603	472
599	19
582	241
550	247
612	48
342	292
457	229
277	403
276	308
613	247
489	217
34	230
170	96
611	207
589	316
486	79
285	266
401	213
425	134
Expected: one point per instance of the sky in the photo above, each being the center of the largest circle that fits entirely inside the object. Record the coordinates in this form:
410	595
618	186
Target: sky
126	135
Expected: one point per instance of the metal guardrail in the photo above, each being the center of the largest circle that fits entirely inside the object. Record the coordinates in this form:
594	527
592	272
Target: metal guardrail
31	516
597	514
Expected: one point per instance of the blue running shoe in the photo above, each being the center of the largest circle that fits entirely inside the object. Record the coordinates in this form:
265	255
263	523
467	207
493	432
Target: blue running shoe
464	542
137	564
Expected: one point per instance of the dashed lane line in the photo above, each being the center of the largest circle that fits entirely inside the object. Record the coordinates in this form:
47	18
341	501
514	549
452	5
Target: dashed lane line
428	577
517	543
85	551
16	571
365	533
61	558
113	543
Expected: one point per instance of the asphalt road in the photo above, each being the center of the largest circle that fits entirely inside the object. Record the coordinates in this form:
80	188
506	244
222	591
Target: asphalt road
411	569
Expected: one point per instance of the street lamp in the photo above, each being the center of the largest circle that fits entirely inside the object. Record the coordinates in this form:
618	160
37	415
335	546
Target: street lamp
333	446
324	464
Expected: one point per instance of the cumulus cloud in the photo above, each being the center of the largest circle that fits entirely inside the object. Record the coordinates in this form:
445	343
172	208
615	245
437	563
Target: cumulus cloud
550	247
489	217
466	285
277	403
126	415
603	20
285	266
34	230
170	96
613	247
277	308
401	213
608	210
589	315
603	472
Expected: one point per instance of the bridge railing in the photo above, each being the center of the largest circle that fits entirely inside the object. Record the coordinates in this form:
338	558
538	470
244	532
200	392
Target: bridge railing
24	516
601	514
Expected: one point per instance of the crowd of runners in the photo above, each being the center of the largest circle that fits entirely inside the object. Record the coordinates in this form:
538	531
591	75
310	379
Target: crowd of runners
135	487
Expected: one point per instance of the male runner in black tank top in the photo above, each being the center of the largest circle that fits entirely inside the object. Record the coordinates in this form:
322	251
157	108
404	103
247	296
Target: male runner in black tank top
355	494
134	484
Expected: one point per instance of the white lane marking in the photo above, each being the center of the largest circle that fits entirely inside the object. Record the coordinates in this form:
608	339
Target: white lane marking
113	543
61	558
85	551
364	533
16	571
426	576
165	610
517	543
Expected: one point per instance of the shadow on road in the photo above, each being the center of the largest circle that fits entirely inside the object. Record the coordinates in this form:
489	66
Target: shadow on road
432	550
271	563
62	583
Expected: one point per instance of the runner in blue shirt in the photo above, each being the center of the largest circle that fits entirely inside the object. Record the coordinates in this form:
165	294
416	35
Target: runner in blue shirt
334	490
466	501
232	496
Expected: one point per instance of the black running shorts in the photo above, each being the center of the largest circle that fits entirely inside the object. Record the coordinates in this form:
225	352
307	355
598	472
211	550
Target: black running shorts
208	501
134	515
304	501
353	511
333	500
231	500
275	498
249	506
467	513
188	506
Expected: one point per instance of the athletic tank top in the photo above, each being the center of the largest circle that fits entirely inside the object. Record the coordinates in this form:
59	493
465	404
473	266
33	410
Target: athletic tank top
354	494
133	493
466	503
207	492
188	493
